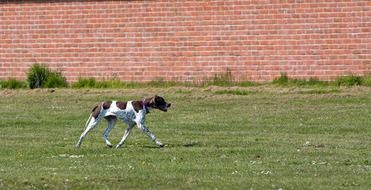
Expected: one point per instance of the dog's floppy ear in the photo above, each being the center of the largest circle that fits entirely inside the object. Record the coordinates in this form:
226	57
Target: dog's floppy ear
153	100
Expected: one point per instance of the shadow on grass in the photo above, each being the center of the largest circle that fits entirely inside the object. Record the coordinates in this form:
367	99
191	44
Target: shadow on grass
187	145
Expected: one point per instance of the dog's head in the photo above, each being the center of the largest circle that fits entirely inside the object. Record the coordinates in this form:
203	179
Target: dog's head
159	102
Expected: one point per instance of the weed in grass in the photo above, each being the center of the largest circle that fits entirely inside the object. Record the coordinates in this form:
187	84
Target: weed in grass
309	82
282	80
245	84
37	75
56	80
85	83
349	80
12	84
366	80
160	83
225	79
40	76
93	83
114	83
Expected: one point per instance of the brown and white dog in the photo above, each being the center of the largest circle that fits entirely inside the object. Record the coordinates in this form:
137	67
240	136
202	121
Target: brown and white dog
131	112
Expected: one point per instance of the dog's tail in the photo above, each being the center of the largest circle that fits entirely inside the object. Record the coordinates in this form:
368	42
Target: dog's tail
87	122
95	112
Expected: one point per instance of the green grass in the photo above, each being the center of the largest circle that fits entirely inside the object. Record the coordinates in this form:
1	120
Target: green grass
274	138
12	84
116	83
346	80
158	83
93	83
234	92
224	79
350	80
284	80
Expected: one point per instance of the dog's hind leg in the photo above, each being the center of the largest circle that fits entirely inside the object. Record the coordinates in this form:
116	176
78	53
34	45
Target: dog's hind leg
126	134
111	123
91	124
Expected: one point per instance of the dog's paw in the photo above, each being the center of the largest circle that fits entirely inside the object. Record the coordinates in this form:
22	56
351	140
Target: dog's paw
109	145
159	144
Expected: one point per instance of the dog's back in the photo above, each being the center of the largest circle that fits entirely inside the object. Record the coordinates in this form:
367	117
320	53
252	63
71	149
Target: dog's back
107	105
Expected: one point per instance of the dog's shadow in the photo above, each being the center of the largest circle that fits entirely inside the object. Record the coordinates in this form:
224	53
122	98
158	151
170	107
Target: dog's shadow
187	145
193	144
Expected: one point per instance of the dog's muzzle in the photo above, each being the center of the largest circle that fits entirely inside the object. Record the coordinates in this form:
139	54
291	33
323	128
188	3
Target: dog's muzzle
165	108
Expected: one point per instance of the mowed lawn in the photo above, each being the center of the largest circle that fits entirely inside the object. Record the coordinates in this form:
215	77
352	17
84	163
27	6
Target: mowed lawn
217	138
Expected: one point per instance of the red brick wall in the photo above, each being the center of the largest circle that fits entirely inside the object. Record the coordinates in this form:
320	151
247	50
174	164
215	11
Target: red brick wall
186	40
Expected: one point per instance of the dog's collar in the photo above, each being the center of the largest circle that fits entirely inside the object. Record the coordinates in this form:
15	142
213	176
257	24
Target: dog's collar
145	106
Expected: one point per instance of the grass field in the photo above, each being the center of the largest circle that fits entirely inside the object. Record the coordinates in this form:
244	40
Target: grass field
261	137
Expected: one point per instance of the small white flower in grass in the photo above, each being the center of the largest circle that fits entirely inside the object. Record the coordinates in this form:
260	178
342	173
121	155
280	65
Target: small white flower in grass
266	172
76	156
235	172
223	156
307	143
173	159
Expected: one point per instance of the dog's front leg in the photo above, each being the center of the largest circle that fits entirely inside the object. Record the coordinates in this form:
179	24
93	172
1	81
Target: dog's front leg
144	129
126	134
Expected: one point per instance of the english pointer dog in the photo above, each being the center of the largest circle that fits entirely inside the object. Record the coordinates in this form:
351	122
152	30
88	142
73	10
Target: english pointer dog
132	113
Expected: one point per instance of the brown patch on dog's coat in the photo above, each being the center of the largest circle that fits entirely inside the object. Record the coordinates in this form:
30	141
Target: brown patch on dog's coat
107	104
138	105
121	105
95	112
